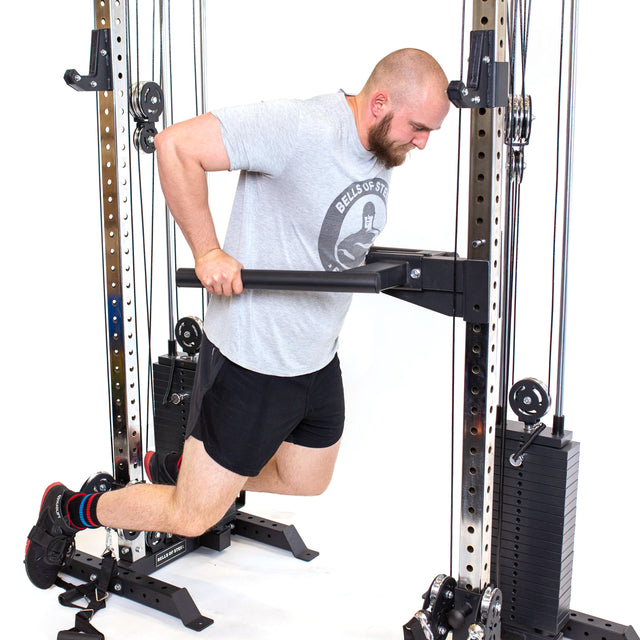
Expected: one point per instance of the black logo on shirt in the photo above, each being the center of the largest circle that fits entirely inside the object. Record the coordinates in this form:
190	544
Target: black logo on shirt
353	221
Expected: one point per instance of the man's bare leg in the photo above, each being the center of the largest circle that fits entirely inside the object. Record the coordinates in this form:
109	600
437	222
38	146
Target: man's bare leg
296	471
204	492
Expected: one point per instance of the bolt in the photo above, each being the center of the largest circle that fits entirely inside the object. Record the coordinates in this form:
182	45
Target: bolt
478	243
103	52
475	99
77	78
465	92
476	632
117	587
124	550
93	577
515	462
102	487
442	630
415	273
449	595
486	59
154	99
94	83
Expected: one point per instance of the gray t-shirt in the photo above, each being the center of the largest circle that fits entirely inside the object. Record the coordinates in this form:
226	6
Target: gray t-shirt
309	197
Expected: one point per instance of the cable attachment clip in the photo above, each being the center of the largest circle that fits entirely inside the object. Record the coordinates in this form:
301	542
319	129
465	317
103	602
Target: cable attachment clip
487	80
99	78
146	104
516	459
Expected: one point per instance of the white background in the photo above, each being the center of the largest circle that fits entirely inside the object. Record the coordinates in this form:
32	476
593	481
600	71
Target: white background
382	528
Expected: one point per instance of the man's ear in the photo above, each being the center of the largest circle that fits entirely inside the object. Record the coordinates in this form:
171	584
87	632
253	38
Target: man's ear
379	104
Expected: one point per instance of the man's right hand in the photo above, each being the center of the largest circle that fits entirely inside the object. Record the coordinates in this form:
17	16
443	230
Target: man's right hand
219	273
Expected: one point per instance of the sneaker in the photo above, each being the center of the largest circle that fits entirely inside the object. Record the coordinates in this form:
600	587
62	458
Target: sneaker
51	541
162	468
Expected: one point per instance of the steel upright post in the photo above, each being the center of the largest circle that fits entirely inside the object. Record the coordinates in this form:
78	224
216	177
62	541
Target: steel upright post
118	261
482	340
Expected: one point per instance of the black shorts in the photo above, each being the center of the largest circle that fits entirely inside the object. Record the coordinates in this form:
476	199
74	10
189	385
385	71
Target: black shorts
242	417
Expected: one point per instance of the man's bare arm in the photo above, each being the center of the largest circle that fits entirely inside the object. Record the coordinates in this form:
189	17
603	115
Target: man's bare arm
185	152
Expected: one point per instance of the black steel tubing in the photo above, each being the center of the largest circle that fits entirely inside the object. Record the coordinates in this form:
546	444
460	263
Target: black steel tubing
372	278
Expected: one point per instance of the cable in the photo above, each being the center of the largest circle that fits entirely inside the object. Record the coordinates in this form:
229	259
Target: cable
511	242
557	189
453	320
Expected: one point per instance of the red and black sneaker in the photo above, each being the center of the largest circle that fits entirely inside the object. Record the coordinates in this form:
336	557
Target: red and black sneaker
162	468
51	541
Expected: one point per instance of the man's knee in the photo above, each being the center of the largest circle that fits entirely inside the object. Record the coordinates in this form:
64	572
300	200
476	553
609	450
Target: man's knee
204	492
305	471
314	483
313	489
191	520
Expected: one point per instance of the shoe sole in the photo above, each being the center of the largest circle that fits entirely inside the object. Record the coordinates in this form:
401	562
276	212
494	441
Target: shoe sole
44	495
147	465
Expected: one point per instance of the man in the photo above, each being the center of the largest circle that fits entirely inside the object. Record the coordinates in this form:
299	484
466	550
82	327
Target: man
267	408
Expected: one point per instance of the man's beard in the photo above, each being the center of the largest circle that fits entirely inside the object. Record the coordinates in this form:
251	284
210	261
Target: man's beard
386	151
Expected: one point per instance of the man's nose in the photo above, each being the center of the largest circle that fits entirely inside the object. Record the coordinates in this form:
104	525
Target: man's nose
420	140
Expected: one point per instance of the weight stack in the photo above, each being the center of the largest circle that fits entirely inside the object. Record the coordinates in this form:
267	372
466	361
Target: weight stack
173	380
536	535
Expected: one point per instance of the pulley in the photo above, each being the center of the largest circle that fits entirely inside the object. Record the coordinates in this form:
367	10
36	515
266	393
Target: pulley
530	400
98	483
155	539
189	332
518	119
143	137
146	103
431	622
517	123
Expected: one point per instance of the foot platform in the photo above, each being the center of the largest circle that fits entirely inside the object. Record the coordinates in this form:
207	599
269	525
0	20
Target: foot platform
272	533
150	592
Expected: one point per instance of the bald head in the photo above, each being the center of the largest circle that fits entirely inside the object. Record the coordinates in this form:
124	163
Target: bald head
402	102
407	75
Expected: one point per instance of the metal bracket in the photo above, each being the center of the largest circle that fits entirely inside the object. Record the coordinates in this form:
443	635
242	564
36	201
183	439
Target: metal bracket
487	80
441	281
468	615
99	78
431	622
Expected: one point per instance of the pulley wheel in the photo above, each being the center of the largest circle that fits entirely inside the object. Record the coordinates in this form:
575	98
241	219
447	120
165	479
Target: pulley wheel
189	334
129	535
146	101
98	483
143	137
155	539
530	400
